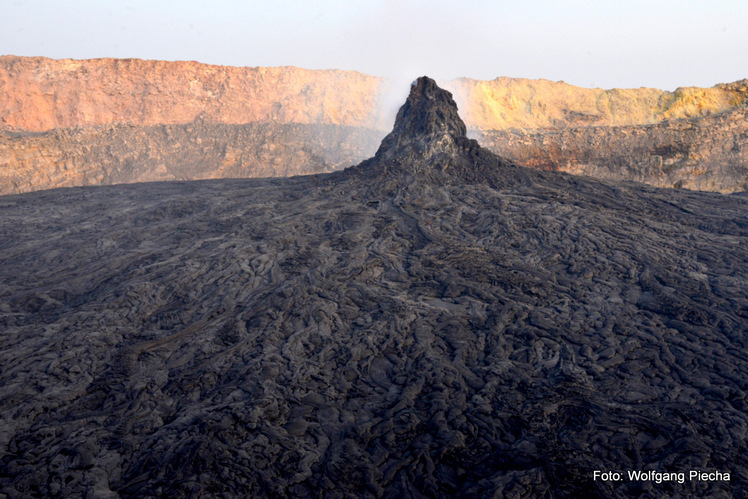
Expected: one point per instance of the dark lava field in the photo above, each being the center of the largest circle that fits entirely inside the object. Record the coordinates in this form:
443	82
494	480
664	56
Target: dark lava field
433	322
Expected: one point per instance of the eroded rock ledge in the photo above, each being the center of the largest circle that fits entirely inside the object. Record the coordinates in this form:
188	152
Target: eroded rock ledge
708	154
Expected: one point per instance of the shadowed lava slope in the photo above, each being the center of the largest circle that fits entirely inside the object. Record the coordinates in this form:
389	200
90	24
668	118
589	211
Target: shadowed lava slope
432	322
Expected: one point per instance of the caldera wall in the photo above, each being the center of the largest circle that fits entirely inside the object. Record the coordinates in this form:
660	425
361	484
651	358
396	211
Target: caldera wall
39	94
708	154
102	121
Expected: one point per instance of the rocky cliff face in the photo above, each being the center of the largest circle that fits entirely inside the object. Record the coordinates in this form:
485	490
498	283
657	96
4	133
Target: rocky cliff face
397	329
39	94
537	123
702	154
516	103
709	154
124	153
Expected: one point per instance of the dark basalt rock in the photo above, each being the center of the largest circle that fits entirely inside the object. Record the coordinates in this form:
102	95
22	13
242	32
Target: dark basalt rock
708	153
427	124
429	138
434	322
123	153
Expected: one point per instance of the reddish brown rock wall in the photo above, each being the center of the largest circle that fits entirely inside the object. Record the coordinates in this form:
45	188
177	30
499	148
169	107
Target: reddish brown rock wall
39	94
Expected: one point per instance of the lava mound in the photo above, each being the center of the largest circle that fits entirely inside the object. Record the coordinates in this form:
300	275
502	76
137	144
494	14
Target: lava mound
432	322
429	138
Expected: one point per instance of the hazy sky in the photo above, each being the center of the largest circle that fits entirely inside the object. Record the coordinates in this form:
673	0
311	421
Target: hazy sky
621	43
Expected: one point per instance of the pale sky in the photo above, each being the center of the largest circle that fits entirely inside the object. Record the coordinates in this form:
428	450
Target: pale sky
623	43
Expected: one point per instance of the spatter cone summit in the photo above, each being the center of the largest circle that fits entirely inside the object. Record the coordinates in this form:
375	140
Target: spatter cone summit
427	125
430	138
434	322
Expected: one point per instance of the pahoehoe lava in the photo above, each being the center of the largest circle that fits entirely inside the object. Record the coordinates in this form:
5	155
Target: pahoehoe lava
435	321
